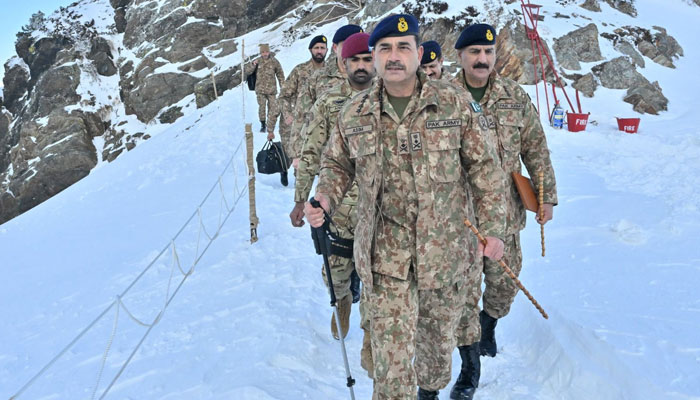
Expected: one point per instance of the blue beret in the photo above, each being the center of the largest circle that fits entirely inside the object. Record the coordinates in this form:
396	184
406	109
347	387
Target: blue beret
479	34
431	52
344	32
394	25
318	39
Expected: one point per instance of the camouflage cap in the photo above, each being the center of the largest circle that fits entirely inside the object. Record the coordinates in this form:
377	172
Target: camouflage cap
264	47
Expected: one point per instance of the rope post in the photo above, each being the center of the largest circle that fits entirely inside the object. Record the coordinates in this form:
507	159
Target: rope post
251	183
213	81
540	197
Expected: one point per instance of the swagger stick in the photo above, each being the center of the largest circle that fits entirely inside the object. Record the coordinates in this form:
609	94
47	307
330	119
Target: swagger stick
540	176
509	271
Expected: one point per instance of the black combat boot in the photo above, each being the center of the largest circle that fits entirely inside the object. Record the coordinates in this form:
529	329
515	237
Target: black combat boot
263	128
468	379
355	286
427	394
284	179
488	334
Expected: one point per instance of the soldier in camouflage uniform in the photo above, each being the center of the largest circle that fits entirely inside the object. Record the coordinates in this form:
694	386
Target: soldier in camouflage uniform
413	148
432	60
360	69
507	110
292	86
332	75
269	69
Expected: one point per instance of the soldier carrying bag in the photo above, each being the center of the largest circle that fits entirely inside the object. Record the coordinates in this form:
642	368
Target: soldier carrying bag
272	159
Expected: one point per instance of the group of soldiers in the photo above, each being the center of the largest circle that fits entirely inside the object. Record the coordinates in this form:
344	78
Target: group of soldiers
404	154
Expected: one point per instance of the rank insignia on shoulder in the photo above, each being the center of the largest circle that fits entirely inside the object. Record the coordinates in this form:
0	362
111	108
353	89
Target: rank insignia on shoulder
483	123
475	106
416	144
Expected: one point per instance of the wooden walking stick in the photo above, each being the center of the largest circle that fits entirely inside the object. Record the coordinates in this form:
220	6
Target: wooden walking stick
540	176
508	271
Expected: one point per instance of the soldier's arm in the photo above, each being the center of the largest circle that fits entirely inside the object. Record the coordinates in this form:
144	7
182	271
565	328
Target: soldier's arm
310	160
535	153
280	72
301	113
485	177
337	168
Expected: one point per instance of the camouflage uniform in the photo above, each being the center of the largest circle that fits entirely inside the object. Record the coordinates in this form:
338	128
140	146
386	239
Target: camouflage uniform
509	112
410	240
322	80
266	89
288	98
316	132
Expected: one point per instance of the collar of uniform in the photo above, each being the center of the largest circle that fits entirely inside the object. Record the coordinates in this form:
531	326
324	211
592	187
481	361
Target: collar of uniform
496	90
428	95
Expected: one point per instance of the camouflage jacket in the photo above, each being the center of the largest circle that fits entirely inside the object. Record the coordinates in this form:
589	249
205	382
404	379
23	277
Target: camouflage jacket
412	174
519	135
268	70
322	80
293	85
316	132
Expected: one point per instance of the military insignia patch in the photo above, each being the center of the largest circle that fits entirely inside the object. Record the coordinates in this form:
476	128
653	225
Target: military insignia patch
324	39
416	144
476	106
402	25
432	55
483	123
492	121
403	146
489	35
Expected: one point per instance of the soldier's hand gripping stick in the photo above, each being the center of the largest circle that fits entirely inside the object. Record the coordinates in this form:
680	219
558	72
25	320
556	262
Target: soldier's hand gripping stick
508	271
322	244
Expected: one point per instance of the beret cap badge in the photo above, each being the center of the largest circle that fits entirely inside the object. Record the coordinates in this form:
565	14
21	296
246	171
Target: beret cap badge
402	25
432	55
489	35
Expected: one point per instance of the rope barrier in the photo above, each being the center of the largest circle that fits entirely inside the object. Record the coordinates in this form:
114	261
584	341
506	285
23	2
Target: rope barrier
119	303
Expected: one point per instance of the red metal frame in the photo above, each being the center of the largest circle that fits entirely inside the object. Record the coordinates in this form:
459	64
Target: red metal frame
531	13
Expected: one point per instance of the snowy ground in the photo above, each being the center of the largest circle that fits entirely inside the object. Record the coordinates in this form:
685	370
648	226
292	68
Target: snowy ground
619	280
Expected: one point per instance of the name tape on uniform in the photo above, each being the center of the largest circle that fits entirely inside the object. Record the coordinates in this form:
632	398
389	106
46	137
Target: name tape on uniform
358	130
445	123
510	106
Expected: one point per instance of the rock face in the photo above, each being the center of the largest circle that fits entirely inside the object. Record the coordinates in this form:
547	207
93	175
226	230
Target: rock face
578	46
591	5
514	55
624	6
620	73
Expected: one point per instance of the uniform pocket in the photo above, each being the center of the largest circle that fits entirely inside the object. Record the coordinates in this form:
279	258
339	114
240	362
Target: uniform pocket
443	147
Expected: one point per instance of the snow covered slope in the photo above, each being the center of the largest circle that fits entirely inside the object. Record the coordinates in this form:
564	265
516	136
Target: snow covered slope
619	280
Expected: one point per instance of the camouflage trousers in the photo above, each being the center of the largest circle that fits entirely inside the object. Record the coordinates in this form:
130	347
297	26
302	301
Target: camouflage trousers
407	323
469	330
268	102
344	219
500	290
499	293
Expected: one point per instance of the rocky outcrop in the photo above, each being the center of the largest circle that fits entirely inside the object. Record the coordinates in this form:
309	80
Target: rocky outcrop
591	5
627	49
620	73
624	6
514	55
578	46
660	47
16	84
381	7
586	84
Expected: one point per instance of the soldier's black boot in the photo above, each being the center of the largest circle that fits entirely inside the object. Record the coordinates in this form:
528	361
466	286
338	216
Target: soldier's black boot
355	286
427	394
263	128
468	379
488	334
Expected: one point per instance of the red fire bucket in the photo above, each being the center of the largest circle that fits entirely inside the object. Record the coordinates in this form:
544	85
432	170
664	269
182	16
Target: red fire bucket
629	125
576	122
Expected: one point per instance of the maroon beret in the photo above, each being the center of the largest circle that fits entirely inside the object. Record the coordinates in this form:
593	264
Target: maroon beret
357	43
